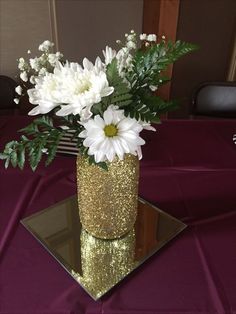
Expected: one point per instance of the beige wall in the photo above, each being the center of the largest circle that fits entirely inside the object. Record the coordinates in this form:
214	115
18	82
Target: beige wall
24	24
82	27
85	27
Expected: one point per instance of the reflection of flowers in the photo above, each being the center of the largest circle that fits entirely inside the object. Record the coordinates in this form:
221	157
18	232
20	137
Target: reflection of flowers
111	135
105	262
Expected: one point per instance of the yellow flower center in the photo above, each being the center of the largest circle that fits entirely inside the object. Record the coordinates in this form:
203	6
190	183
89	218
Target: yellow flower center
110	130
82	87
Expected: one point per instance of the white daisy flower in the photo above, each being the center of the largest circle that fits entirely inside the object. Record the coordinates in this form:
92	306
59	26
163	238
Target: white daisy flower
111	136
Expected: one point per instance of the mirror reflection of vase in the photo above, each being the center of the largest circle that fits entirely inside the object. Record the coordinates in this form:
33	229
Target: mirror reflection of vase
105	262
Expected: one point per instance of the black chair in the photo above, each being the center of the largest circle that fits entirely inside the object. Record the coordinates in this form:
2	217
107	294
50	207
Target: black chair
215	99
7	95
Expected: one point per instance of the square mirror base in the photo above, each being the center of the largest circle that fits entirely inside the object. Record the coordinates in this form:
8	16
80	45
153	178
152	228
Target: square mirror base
98	265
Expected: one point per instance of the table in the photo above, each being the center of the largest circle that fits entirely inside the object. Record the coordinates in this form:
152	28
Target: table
188	170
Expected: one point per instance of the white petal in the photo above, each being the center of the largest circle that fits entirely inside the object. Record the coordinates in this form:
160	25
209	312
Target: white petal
34	111
118	148
108	117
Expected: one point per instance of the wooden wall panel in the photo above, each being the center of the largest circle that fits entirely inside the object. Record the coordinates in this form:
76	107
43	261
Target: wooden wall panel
161	17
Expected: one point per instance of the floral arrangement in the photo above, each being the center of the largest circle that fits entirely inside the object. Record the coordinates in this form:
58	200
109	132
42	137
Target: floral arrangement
106	104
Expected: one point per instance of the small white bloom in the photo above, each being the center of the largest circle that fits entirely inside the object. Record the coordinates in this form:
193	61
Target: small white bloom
29	52
44	150
151	37
112	135
18	90
46	45
153	88
109	54
32	79
59	55
143	36
34	63
24	76
16	100
163	37
147	126
21	63
131	45
42	71
147	44
52	58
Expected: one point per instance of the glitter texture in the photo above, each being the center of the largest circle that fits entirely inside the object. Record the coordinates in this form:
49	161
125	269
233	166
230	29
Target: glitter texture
105	262
108	199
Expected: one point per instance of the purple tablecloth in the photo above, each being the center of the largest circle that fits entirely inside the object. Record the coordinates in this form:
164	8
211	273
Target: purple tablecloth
188	170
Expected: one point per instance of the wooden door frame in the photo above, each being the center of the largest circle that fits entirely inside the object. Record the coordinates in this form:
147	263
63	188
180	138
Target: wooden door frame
161	17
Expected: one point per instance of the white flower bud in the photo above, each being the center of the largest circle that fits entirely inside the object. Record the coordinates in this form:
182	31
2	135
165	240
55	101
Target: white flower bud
152	37
34	63
59	55
16	100
44	150
131	45
32	79
21	63
143	36
45	45
18	90
24	76
52	58
42	71
153	88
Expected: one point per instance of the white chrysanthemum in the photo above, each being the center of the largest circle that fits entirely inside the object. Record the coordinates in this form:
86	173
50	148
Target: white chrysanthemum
81	88
77	88
45	94
113	135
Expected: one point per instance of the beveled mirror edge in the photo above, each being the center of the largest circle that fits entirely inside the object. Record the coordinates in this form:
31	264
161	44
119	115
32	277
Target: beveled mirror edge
70	271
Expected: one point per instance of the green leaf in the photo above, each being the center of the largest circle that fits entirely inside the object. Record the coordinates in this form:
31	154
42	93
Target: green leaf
13	158
3	156
21	157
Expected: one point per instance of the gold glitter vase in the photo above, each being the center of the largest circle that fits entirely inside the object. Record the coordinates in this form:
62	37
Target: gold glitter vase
108	199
